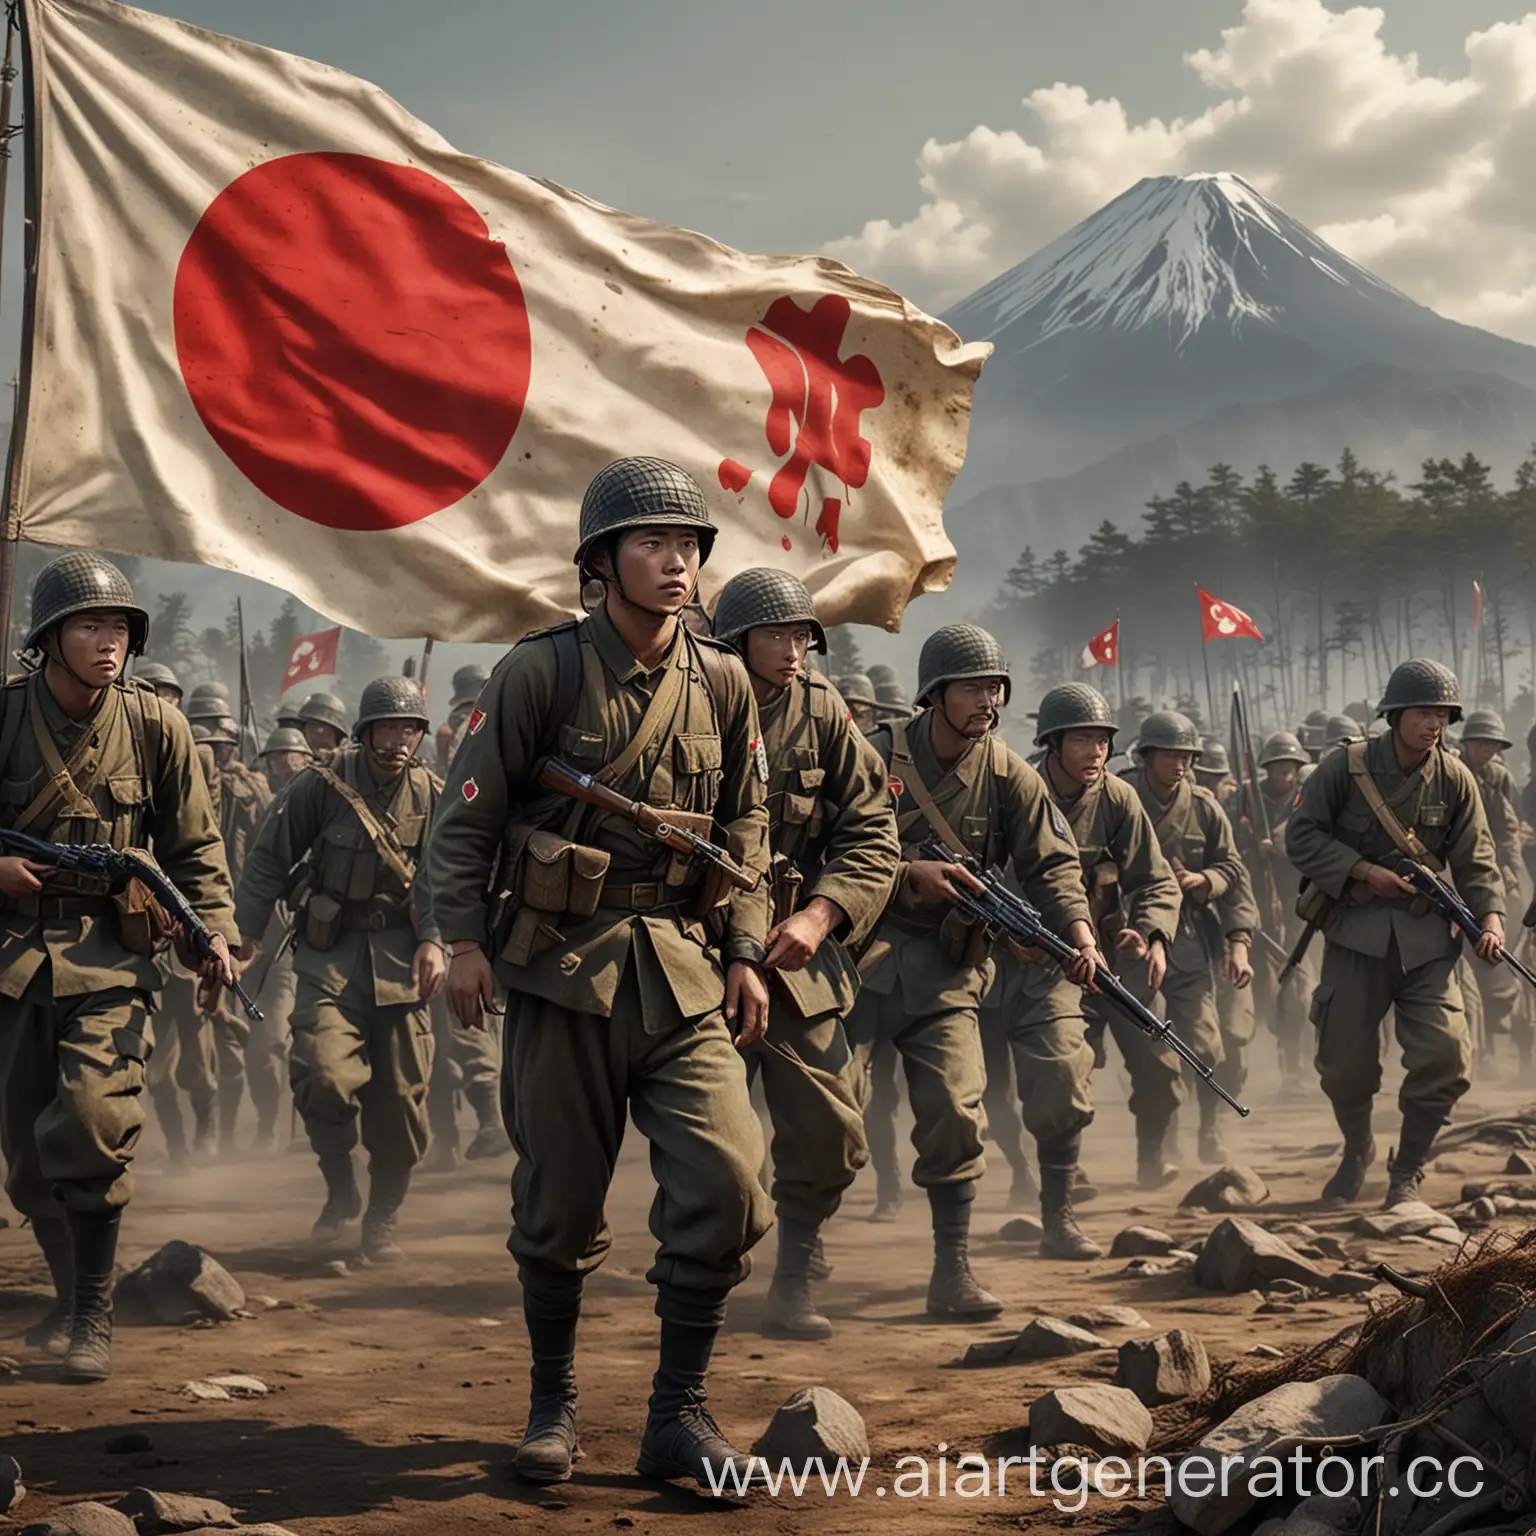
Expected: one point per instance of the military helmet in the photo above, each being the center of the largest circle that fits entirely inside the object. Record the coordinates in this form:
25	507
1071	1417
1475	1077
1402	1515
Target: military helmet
884	676
1282	747
327	709
391	698
225	731
201	733
1486	725
1213	756
856	688
290	719
158	675
1070	706
286	739
1340	730
956	653
641	493
1169	731
207	701
467	683
892	698
83	582
1317	717
1422	684
756	598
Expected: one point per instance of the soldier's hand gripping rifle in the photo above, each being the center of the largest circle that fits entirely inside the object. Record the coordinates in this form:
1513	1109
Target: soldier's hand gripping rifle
571	782
1002	912
97	861
1455	911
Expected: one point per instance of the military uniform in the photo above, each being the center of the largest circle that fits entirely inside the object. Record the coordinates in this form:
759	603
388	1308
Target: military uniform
361	1052
77	967
924	976
832	832
1397	953
322	718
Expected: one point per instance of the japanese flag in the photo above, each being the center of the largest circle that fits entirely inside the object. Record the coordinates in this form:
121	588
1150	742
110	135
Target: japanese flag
1103	650
1221	621
281	327
312	656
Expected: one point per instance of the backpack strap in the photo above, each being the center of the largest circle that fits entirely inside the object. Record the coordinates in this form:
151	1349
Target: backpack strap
14	695
385	843
146	725
1405	839
901	753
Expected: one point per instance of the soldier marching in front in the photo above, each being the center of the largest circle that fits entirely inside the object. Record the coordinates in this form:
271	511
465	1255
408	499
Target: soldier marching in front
367	956
832	834
86	757
628	967
1363	810
926	971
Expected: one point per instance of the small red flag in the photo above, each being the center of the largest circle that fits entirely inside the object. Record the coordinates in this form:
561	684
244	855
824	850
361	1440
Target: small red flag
312	656
1103	650
1221	621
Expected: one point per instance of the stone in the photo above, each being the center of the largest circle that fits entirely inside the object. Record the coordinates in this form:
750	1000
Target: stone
1329	1246
1048	1338
1276	1309
335	1268
162	1514
12	1489
992	1352
1291	1290
1108	1317
814	1423
204	1392
1240	1255
1269	1426
1147	1269
1232	1188
87	1518
1141	1243
179	1283
1172	1366
1348	1283
264	1303
1520	1163
1413	1218
240	1386
1109	1420
1267	1352
1021	1229
131	1444
10	1368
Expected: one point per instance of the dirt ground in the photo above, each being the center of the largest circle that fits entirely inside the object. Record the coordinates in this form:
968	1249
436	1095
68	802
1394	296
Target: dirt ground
397	1396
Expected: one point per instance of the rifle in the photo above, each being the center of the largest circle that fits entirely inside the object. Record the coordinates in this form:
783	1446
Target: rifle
1258	811
1455	911
1297	955
575	785
1000	911
100	862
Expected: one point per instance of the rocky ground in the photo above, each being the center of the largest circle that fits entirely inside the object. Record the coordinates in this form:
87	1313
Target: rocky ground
394	1397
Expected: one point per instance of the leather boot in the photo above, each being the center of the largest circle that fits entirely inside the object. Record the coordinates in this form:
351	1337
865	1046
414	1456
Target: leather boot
952	1288
386	1192
90	1334
821	1266
788	1312
1213	1149
1359	1153
488	1142
343	1202
1063	1238
491	1139
1405	1165
168	1113
51	1332
1153	1170
887	1201
681	1439
551	1309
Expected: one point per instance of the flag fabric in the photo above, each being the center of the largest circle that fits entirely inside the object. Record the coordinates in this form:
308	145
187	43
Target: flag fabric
1477	606
1221	621
1103	650
312	656
284	328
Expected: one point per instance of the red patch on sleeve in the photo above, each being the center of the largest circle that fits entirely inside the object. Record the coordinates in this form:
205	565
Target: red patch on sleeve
471	790
476	720
897	788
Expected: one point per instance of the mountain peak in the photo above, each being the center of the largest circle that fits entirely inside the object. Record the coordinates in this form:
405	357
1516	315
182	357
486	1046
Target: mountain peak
1180	252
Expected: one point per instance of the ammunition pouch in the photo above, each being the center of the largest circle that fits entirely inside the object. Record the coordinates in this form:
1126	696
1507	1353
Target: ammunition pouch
322	920
1316	907
964	943
547	879
142	923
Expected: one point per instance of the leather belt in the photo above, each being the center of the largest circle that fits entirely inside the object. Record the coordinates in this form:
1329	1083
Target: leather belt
58	908
643	896
366	918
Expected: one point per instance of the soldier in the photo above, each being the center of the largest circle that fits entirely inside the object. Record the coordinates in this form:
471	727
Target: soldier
1314	733
926	971
890	697
161	679
626	967
1505	1006
1340	731
207	704
1364	809
285	753
88	758
1216	923
323	719
882	1104
467	683
832	833
858	693
367	959
1214	771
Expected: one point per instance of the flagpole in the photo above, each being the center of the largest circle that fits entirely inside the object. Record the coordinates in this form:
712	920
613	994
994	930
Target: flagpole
247	703
1205	661
1119	664
10	535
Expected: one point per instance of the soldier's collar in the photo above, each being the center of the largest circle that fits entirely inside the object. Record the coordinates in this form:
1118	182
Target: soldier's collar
618	657
970	762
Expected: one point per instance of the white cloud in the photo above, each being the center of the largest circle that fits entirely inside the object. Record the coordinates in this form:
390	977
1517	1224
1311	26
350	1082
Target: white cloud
1424	179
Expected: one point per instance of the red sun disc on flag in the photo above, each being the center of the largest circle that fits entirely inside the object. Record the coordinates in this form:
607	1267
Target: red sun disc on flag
352	337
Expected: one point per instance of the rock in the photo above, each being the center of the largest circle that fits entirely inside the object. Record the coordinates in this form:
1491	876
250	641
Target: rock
204	1392
993	1352
1108	1317
1290	1290
1233	1188
131	1444
1413	1218
84	1519
1141	1243
263	1303
1521	1189
160	1514
1110	1420
1267	1352
1329	1246
335	1268
1520	1163
814	1423
1269	1426
12	1489
1147	1269
180	1283
240	1386
1348	1283
1021	1229
1174	1365
1048	1338
1240	1255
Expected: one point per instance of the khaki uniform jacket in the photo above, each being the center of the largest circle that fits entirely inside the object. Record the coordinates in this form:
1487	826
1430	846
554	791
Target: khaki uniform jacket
998	806
1334	828
1193	829
1496	785
706	759
311	819
830	812
170	814
243	799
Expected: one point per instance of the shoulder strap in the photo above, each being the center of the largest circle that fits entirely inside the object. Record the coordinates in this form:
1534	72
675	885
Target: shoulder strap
658	712
385	843
61	788
913	780
1405	838
146	726
567	644
15	714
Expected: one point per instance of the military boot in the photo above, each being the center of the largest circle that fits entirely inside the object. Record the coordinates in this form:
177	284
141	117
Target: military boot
343	1202
386	1192
230	1095
1213	1149
681	1439
1063	1238
887	1202
1405	1164
168	1113
1359	1153
1153	1170
952	1288
488	1142
89	1357
204	1129
551	1309
265	1140
1024	1188
491	1139
51	1332
788	1312
821	1266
